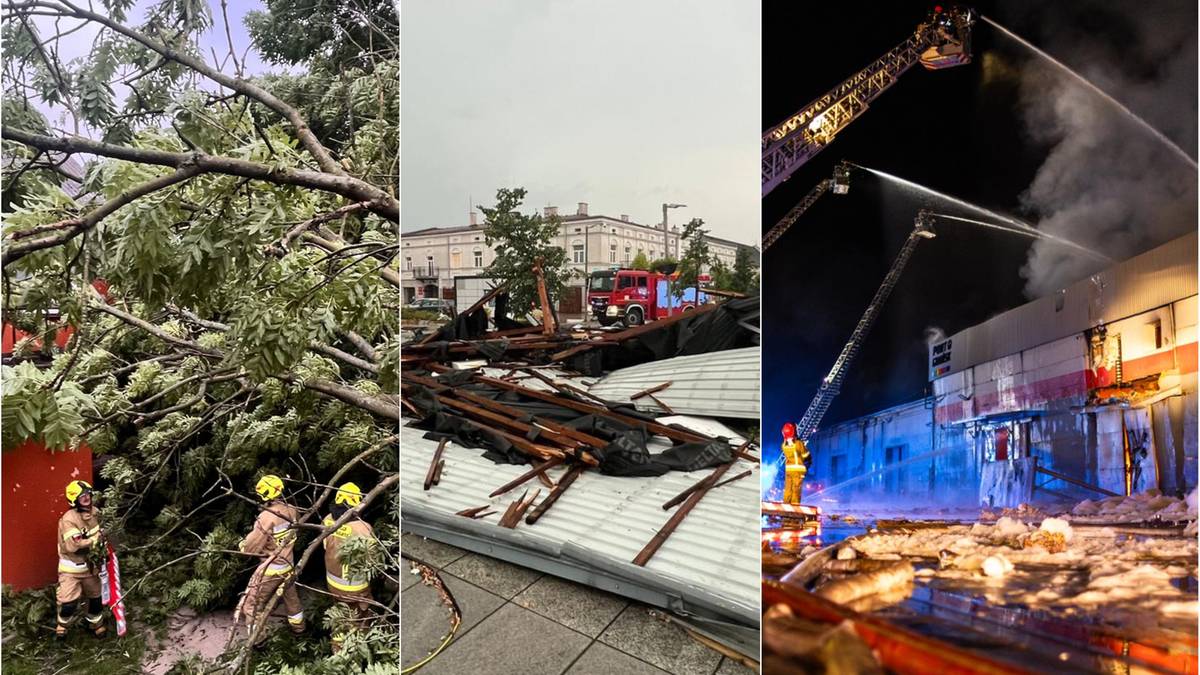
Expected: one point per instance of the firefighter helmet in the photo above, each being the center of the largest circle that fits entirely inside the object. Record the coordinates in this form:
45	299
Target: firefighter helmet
348	494
76	488
269	487
789	430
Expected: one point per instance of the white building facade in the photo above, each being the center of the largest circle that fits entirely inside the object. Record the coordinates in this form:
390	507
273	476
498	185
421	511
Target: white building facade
433	258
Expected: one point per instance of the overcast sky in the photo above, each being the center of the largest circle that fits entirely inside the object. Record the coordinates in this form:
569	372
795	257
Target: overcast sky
79	45
623	104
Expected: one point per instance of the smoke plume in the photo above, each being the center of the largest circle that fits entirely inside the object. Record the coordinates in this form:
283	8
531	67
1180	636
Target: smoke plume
1106	183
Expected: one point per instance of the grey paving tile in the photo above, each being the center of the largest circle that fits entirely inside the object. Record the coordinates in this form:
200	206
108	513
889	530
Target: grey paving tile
663	644
426	620
429	551
587	610
493	575
409	577
600	659
731	667
512	641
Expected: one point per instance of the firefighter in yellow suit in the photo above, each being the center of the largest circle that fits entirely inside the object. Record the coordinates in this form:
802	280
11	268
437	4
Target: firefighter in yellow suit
796	457
273	538
351	587
78	531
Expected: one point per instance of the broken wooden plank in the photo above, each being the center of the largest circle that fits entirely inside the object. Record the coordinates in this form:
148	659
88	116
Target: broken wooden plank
518	508
563	484
470	513
660	537
660	404
630	333
437	456
437	472
580	406
540	468
695	486
652	390
548	326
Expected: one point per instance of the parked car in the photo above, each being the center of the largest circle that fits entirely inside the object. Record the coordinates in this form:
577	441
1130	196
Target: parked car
433	305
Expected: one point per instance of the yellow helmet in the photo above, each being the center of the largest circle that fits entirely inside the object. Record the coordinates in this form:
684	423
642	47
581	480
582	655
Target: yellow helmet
76	488
348	494
269	487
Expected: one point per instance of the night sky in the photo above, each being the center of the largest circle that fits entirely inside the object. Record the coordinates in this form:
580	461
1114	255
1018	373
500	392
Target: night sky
954	130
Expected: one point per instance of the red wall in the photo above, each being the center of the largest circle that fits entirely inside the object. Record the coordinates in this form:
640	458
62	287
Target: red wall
34	481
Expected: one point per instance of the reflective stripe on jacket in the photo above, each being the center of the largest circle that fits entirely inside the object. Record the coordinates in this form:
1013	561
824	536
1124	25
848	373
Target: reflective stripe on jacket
336	575
77	531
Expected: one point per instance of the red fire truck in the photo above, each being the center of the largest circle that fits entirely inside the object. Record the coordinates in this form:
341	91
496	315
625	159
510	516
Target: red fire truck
636	296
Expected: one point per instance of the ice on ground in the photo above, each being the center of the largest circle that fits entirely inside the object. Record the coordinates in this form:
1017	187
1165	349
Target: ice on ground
1057	526
1009	527
997	566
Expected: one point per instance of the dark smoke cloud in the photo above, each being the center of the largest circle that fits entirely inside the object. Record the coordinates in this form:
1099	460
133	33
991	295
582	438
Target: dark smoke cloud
1106	183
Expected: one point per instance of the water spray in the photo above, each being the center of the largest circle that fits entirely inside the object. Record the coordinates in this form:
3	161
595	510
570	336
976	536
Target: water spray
1028	232
1099	92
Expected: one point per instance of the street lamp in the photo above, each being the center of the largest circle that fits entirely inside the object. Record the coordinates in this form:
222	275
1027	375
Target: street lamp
667	230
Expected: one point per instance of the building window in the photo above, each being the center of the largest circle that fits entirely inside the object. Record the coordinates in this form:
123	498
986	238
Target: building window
651	254
478	258
408	263
627	249
577	253
578	230
612	253
455	259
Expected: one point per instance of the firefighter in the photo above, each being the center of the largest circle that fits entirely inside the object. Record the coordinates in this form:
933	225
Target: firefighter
351	587
273	538
78	534
797	458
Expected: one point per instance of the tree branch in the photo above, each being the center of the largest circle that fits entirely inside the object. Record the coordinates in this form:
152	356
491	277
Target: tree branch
341	184
69	229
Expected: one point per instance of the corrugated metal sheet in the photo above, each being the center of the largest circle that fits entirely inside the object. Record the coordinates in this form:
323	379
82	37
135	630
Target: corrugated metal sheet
709	564
719	384
1153	279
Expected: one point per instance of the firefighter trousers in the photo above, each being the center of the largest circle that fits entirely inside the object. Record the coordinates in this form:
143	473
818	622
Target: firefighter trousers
358	602
793	479
259	591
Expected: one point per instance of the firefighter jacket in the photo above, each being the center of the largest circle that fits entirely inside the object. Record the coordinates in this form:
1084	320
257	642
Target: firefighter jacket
78	531
795	452
338	576
273	537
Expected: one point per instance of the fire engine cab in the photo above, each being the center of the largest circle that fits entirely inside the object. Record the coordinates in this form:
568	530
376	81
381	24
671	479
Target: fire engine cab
636	296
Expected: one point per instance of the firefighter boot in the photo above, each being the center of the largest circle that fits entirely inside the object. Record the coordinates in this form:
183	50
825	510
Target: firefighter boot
66	613
95	617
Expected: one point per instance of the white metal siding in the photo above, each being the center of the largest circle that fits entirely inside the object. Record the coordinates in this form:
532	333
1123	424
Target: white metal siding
718	384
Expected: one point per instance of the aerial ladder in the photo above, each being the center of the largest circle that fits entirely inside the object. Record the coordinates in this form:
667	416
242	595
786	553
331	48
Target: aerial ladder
943	40
831	385
839	184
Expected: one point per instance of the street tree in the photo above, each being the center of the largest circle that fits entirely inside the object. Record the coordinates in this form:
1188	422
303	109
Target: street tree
246	235
696	255
520	242
640	262
745	272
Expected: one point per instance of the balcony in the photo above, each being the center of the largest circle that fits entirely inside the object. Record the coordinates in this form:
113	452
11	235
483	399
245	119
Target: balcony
428	271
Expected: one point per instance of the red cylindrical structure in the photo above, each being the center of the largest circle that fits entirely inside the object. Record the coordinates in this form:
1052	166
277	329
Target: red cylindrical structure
34	483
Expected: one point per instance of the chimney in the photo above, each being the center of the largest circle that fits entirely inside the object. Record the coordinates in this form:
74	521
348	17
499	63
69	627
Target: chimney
549	211
474	221
582	210
625	217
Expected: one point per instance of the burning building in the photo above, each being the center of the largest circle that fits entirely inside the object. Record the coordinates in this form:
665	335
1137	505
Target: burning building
1085	392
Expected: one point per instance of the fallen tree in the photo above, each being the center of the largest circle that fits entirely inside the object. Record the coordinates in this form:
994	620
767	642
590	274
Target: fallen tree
245	229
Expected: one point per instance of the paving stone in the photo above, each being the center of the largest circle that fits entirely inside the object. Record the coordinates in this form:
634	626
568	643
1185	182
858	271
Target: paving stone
600	659
731	667
493	575
511	641
585	609
663	644
429	551
426	619
409	577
